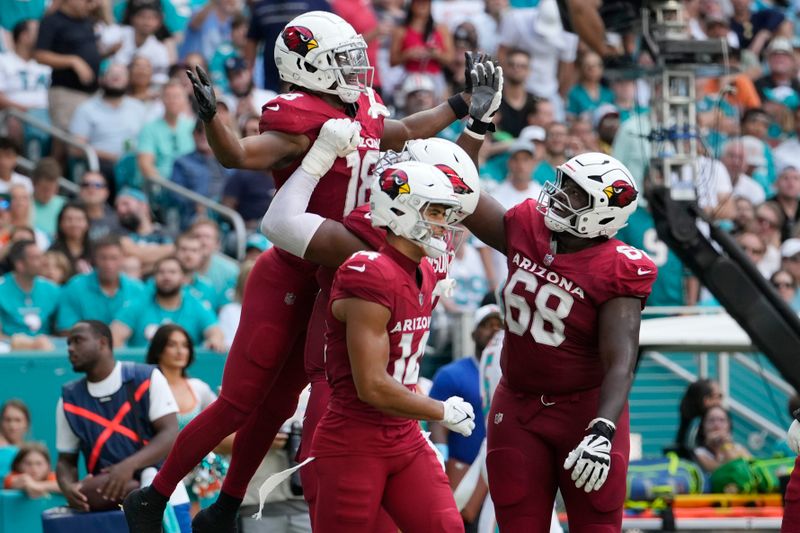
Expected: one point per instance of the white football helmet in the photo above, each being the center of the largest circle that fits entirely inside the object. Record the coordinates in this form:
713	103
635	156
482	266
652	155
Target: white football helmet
322	52
449	158
611	191
400	196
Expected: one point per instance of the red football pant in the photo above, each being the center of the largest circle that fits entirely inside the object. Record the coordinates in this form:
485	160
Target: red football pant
528	443
791	502
259	387
411	487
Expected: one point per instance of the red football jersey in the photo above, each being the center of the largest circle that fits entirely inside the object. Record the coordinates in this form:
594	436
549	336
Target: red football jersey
390	279
346	184
551	342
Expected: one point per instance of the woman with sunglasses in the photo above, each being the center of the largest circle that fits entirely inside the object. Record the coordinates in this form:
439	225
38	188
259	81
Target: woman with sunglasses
786	285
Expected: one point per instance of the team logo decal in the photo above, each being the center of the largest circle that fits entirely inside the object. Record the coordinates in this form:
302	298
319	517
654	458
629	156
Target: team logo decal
620	193
394	182
299	40
459	185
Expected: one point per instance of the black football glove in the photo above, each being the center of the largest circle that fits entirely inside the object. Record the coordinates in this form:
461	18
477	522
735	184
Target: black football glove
204	94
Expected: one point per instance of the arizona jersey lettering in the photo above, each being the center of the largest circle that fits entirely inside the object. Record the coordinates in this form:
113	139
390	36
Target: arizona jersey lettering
346	184
552	304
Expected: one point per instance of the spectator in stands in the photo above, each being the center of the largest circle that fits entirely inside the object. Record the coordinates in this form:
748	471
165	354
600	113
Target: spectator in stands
244	97
137	321
140	73
56	267
700	396
755	28
589	93
189	252
249	192
787	197
256	245
72	236
67	43
418	93
755	249
236	47
780	83
164	140
734	158
23	81
517	102
132	267
8	161
198	171
101	293
420	45
209	27
605	121
715	444
31	473
543	114
745	217
790	259
786	285
552	51
230	313
788	152
770	220
21	213
555	146
141	237
110	121
108	387
139	40
219	269
47	203
582	136
28	302
462	378
755	122
172	351
15	423
94	195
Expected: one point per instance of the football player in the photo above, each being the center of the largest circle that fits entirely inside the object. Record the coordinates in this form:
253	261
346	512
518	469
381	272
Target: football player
791	500
368	447
573	299
325	61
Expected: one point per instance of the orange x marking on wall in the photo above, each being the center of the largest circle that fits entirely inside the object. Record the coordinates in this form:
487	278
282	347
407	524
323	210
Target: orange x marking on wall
111	426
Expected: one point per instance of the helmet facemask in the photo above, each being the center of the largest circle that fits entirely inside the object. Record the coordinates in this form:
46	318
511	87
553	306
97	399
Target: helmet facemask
555	204
352	70
436	238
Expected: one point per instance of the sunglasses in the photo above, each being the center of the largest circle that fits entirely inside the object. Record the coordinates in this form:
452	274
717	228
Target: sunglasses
783	285
92	185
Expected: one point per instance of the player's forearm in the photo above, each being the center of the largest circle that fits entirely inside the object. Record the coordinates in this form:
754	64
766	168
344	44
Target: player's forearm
614	392
224	143
487	222
472	146
417	126
392	398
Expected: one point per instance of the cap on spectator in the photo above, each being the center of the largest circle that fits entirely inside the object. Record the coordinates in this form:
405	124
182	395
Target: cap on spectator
414	83
235	64
257	241
522	145
482	313
532	134
790	248
130	192
780	45
753	151
602	112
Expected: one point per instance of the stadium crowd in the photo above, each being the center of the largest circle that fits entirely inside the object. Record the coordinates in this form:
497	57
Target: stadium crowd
122	251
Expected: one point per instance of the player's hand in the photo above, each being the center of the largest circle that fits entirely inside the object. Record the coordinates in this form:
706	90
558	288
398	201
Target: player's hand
591	459
470	59
487	90
337	138
75	498
793	436
458	416
118	477
203	93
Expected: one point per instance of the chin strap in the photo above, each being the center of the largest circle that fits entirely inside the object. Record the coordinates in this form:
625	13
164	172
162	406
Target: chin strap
376	109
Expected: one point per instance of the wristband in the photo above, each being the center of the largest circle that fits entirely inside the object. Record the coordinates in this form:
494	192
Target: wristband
478	127
458	105
603	427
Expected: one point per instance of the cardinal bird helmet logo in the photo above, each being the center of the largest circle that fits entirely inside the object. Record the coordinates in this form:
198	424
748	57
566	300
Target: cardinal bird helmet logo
299	40
459	185
620	193
394	182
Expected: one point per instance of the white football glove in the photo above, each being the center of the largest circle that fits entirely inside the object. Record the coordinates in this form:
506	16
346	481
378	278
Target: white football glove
793	436
337	138
458	416
592	457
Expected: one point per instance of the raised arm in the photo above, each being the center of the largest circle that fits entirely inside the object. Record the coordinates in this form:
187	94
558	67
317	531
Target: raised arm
307	235
258	152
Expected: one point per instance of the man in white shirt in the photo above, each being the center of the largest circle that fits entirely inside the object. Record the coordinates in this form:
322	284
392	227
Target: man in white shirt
23	80
738	160
131	400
